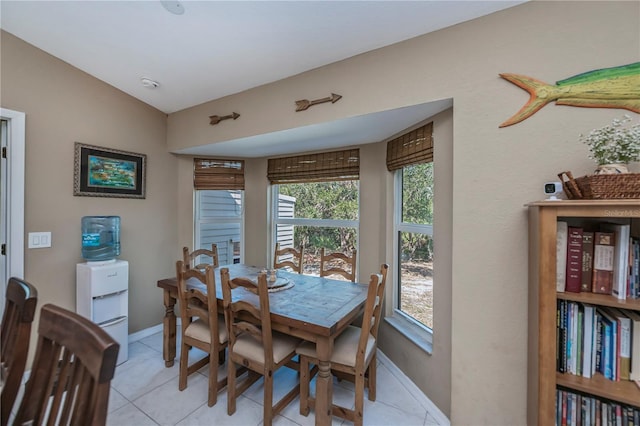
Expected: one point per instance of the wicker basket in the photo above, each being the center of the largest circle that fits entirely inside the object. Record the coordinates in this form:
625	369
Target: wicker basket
626	185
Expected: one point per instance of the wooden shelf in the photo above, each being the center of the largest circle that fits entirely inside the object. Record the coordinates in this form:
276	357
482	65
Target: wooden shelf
624	391
543	379
601	299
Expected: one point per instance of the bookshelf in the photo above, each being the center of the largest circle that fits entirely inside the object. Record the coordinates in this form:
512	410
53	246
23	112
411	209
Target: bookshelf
543	379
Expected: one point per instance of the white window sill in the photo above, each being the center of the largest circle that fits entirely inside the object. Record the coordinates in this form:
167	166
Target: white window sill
418	335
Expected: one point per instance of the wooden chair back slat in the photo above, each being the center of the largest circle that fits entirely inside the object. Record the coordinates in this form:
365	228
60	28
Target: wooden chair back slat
297	258
372	310
192	259
236	309
71	374
21	299
338	264
196	302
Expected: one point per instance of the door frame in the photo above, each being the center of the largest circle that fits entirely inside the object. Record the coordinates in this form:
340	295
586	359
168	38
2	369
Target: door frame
14	196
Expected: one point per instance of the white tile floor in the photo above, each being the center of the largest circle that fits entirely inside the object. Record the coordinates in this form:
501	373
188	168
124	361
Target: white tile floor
144	392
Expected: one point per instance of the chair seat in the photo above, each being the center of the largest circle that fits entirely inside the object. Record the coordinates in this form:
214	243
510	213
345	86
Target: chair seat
249	348
345	347
200	330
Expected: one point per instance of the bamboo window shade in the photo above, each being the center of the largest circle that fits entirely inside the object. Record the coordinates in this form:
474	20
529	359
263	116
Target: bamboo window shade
414	147
321	167
218	174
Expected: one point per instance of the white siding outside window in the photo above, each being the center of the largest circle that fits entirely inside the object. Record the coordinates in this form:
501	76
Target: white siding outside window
220	219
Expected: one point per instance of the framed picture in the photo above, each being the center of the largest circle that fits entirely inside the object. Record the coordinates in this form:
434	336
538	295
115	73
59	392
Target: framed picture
106	172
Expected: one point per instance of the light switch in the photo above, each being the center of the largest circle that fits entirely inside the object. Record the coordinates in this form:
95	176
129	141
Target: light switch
39	239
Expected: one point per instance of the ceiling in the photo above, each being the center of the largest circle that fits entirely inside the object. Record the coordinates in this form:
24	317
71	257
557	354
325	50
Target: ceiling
218	48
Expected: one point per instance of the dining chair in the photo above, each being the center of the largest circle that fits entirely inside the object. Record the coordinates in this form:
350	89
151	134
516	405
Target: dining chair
337	263
21	299
252	343
293	258
353	357
202	327
71	373
190	258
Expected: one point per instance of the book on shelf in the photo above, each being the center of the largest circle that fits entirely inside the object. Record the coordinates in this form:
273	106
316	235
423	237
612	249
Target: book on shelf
574	408
561	351
569	336
603	255
624	339
579	339
573	276
607	356
620	257
635	345
572	347
588	345
634	279
599	333
587	261
561	255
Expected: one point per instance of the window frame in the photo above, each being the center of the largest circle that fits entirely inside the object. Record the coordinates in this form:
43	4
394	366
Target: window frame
325	223
197	220
413	329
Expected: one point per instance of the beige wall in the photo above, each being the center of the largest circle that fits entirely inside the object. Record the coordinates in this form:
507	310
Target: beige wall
495	172
64	105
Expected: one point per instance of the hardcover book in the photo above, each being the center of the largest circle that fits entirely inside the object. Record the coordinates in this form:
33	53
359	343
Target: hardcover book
624	339
634	373
620	258
606	367
587	261
603	257
610	345
574	260
561	255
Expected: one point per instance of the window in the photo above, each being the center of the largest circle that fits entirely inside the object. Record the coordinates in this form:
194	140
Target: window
219	211
317	203
317	214
415	243
410	156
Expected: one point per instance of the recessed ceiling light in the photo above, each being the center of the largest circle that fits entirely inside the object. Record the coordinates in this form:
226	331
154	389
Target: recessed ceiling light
174	7
147	82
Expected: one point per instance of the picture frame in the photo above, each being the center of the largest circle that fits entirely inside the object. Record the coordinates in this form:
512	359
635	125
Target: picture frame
107	172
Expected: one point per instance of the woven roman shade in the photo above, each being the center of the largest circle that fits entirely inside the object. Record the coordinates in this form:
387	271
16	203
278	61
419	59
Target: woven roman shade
218	174
415	147
321	167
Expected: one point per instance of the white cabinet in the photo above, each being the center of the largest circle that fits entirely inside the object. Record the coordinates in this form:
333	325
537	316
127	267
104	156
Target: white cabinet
102	295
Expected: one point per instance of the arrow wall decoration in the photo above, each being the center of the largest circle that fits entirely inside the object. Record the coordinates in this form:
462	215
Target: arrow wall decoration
304	103
215	119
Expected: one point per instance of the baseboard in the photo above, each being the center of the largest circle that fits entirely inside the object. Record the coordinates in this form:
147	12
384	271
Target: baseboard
134	337
406	381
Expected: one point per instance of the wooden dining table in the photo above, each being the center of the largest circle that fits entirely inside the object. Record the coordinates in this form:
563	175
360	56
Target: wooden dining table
312	308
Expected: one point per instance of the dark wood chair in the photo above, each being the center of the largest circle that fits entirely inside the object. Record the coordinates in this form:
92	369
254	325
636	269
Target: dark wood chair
202	327
20	307
293	258
338	264
71	373
253	346
353	357
192	259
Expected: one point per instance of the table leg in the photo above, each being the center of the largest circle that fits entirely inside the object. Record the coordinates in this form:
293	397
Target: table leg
169	330
324	382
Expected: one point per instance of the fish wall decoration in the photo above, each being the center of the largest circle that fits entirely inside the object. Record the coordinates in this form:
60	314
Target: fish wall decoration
616	87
